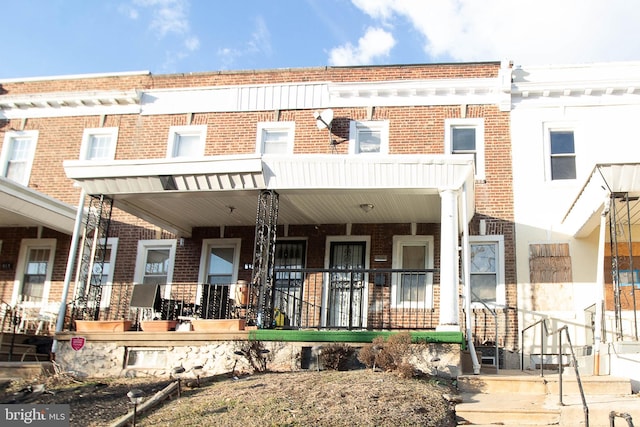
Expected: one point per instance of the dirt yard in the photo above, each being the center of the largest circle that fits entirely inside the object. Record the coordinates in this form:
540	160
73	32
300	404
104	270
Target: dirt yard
327	398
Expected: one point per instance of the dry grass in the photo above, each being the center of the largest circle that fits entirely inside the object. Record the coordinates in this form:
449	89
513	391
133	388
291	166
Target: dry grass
326	398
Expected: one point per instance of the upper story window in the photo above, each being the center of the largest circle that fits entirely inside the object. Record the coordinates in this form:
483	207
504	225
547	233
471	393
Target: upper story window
562	154
466	136
186	141
369	137
99	144
18	151
275	138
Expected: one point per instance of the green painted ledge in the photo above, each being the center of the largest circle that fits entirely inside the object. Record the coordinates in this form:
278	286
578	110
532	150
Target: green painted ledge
352	336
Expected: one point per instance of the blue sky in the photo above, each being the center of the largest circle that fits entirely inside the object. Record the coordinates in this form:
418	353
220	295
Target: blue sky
62	37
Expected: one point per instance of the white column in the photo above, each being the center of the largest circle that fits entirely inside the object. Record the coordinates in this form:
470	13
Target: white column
449	315
598	338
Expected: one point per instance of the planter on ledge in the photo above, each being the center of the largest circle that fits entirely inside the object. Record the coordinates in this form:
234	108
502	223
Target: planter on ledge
103	325
158	325
218	325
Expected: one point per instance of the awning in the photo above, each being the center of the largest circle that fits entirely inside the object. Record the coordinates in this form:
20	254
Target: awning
619	179
21	206
181	194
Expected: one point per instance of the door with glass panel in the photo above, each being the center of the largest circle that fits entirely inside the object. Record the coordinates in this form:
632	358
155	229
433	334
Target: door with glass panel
35	274
220	275
346	294
289	282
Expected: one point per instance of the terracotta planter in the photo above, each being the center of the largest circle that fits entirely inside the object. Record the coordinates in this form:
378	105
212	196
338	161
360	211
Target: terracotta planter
218	325
103	325
158	325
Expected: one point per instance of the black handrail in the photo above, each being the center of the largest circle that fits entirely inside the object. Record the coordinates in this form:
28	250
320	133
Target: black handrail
614	414
495	322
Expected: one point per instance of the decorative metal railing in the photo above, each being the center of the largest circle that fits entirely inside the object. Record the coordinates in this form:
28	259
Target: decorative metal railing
302	298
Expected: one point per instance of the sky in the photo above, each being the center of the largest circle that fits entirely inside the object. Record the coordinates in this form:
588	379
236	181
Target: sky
70	37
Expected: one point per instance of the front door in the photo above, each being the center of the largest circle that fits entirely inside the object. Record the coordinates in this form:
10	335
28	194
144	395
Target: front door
346	296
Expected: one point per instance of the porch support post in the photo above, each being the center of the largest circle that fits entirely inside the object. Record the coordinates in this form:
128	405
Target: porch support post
449	315
599	338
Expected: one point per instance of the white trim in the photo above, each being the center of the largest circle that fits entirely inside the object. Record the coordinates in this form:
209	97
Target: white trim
32	135
141	258
88	133
25	246
207	245
289	127
105	297
355	126
476	123
399	242
194	130
501	292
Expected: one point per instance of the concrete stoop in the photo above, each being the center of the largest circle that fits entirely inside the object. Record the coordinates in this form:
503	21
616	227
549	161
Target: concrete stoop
526	399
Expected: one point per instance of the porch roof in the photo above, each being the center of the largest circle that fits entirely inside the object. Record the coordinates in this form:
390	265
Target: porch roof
606	178
180	194
22	206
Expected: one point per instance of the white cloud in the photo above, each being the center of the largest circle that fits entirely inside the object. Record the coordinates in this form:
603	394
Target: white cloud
528	31
192	44
375	43
168	16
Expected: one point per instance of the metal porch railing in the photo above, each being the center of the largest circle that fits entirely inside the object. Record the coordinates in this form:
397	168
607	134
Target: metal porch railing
302	298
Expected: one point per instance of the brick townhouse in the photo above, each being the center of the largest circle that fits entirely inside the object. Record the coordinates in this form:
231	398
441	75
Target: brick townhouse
330	198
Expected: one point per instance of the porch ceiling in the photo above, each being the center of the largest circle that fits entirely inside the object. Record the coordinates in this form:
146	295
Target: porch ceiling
312	189
622	179
21	206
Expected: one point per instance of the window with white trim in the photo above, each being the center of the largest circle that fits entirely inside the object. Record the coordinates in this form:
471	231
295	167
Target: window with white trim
99	144
154	264
275	137
369	137
186	141
412	288
561	149
466	136
487	270
34	269
18	151
102	274
220	260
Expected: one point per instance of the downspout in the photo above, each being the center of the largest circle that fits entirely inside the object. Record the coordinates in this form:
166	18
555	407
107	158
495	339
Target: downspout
598	335
73	251
467	282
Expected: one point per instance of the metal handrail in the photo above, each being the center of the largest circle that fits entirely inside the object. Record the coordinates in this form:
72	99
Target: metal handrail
585	408
544	332
614	414
495	322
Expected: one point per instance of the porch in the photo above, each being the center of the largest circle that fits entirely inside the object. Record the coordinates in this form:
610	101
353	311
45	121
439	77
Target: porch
309	298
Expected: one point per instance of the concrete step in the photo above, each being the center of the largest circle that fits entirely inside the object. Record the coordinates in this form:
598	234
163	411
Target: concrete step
505	408
530	382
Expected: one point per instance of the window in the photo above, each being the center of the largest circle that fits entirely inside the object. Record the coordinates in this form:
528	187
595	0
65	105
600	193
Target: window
146	358
186	141
562	155
466	136
102	274
275	138
413	288
289	255
369	137
33	275
18	151
487	270
155	264
99	144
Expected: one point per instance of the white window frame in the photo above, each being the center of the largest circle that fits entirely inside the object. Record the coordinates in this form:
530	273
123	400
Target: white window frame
501	293
105	296
264	127
141	257
6	151
478	125
25	246
176	131
376	125
89	133
399	242
558	127
207	245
